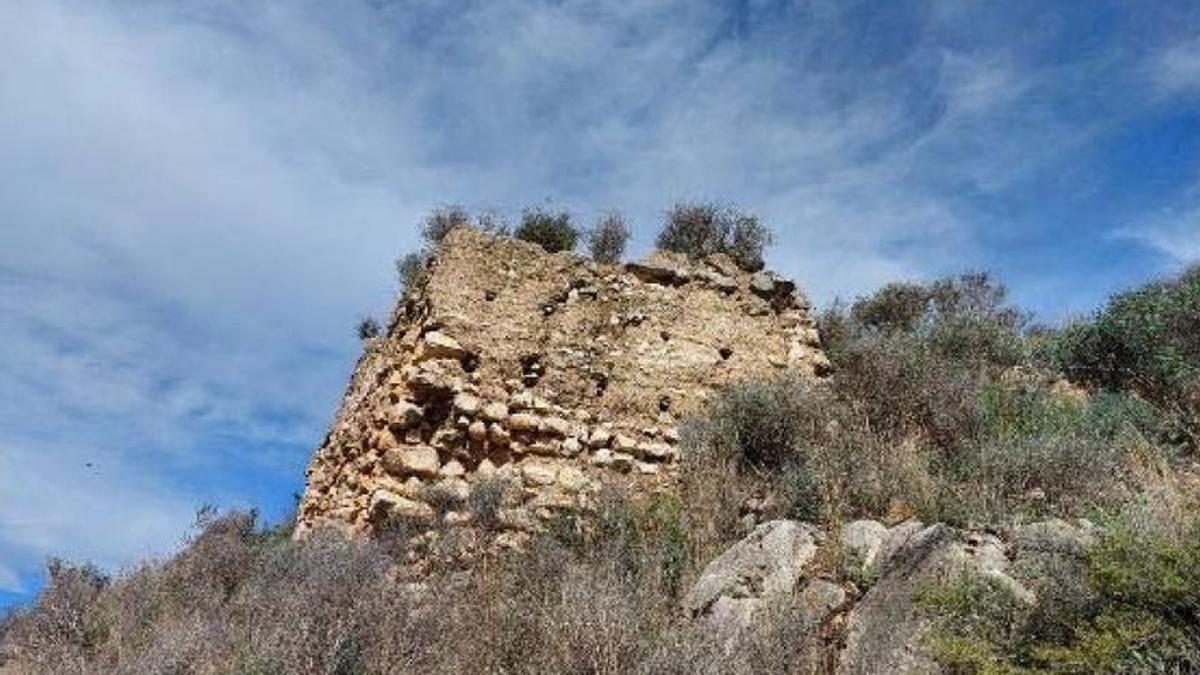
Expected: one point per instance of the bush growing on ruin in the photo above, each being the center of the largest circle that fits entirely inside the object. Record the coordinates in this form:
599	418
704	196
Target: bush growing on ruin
698	230
552	231
607	240
748	242
409	269
368	328
441	221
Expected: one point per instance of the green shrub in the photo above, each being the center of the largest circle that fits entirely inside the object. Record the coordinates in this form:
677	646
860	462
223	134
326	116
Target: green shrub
552	231
897	307
916	357
994	481
788	448
607	240
1146	341
700	230
758	426
748	242
1137	609
409	270
977	625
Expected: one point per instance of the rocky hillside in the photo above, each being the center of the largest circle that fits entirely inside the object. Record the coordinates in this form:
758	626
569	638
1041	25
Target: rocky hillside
559	374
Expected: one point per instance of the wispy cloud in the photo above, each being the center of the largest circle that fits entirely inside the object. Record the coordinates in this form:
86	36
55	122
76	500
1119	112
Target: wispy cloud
1177	67
200	197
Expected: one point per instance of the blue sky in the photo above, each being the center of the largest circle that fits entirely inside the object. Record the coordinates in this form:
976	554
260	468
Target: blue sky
197	199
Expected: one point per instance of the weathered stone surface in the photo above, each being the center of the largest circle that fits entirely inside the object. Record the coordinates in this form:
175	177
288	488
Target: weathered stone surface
556	426
454	488
478	431
524	422
452	469
767	563
771	286
494	411
571	479
539	473
659	271
437	345
718	281
466	404
762	569
885	630
861	541
385	504
658	452
1053	537
419	461
600	438
571	447
498	435
624	443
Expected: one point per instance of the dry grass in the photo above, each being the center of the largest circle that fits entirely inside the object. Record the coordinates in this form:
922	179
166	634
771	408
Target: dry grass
240	599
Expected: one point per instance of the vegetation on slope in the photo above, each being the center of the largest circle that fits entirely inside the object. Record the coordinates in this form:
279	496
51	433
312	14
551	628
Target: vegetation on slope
943	405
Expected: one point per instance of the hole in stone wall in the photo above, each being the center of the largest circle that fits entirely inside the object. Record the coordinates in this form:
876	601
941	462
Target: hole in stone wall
489	295
666	337
531	369
664	403
470	363
601	380
725	353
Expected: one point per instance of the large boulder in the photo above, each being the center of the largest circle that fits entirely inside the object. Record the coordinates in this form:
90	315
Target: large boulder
885	631
761	570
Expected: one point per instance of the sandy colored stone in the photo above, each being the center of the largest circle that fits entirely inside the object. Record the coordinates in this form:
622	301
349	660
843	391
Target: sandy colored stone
600	438
498	435
477	431
624	443
385	504
419	461
404	415
437	345
539	473
466	404
524	422
452	469
494	411
556	426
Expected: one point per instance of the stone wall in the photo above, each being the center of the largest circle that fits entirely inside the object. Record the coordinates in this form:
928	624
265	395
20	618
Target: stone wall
553	374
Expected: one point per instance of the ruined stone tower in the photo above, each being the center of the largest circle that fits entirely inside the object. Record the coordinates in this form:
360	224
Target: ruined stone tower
554	374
